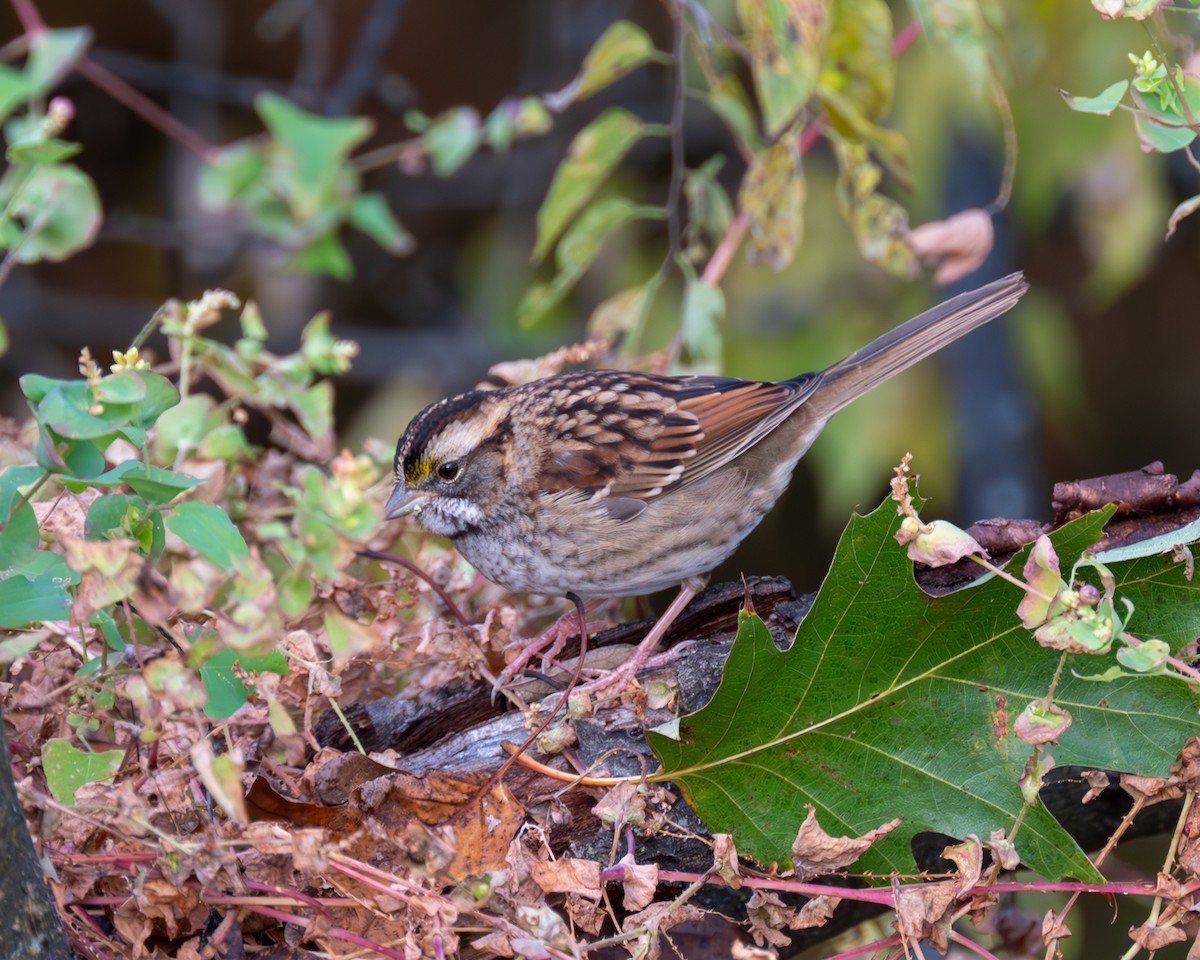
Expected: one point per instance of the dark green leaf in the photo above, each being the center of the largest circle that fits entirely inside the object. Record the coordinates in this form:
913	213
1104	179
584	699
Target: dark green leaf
156	484
891	703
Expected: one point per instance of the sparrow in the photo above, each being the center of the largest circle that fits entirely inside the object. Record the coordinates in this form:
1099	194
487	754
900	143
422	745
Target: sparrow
613	483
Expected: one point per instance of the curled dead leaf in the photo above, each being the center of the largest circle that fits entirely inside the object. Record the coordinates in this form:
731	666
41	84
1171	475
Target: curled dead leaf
568	876
1150	937
725	860
958	245
815	853
640	882
921	907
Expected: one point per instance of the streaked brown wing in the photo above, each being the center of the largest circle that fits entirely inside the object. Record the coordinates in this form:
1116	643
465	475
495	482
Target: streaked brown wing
634	436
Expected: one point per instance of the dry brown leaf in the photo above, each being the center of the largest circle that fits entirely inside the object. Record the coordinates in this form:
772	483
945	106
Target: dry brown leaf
1097	781
640	883
815	853
1151	937
263	802
1053	928
958	245
725	860
623	804
1151	790
658	918
494	944
920	909
1188	856
568	876
768	915
968	857
478	830
816	911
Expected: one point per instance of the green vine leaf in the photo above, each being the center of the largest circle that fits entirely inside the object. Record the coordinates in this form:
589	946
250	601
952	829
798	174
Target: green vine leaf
891	703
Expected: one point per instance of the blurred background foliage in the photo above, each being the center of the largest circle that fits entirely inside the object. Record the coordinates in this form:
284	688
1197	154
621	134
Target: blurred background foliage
429	267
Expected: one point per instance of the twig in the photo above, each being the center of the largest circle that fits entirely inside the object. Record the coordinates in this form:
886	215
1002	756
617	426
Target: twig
385	557
363	64
678	104
146	108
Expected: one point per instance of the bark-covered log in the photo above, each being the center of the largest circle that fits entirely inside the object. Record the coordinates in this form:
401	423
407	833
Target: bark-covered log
30	928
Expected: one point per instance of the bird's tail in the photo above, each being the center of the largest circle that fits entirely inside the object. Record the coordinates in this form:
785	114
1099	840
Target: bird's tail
912	341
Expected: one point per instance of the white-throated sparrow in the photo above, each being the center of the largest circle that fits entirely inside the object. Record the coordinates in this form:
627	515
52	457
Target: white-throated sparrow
608	483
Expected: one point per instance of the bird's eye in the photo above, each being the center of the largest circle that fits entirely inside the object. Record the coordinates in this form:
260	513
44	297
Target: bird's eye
448	471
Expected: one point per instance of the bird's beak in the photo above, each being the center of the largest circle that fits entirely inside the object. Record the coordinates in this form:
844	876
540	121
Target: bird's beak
403	502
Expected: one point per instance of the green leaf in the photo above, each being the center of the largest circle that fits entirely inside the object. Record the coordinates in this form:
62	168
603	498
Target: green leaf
71	412
52	53
161	396
703	309
60	210
370	213
68	768
623	47
729	101
313	149
208	529
784	39
25	600
41	150
116	513
314	408
892	703
452	139
578	248
185	425
124	386
19	539
325	256
1105	102
1166	129
591	157
295	592
51	565
224	690
156	484
231	175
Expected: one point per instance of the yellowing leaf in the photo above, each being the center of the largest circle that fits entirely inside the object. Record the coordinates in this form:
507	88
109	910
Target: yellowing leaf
772	196
621	48
784	38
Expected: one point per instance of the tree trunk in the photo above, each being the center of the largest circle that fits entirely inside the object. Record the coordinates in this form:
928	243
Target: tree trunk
30	928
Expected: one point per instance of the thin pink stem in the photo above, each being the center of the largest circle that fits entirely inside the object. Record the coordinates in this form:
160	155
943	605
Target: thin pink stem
337	932
145	108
